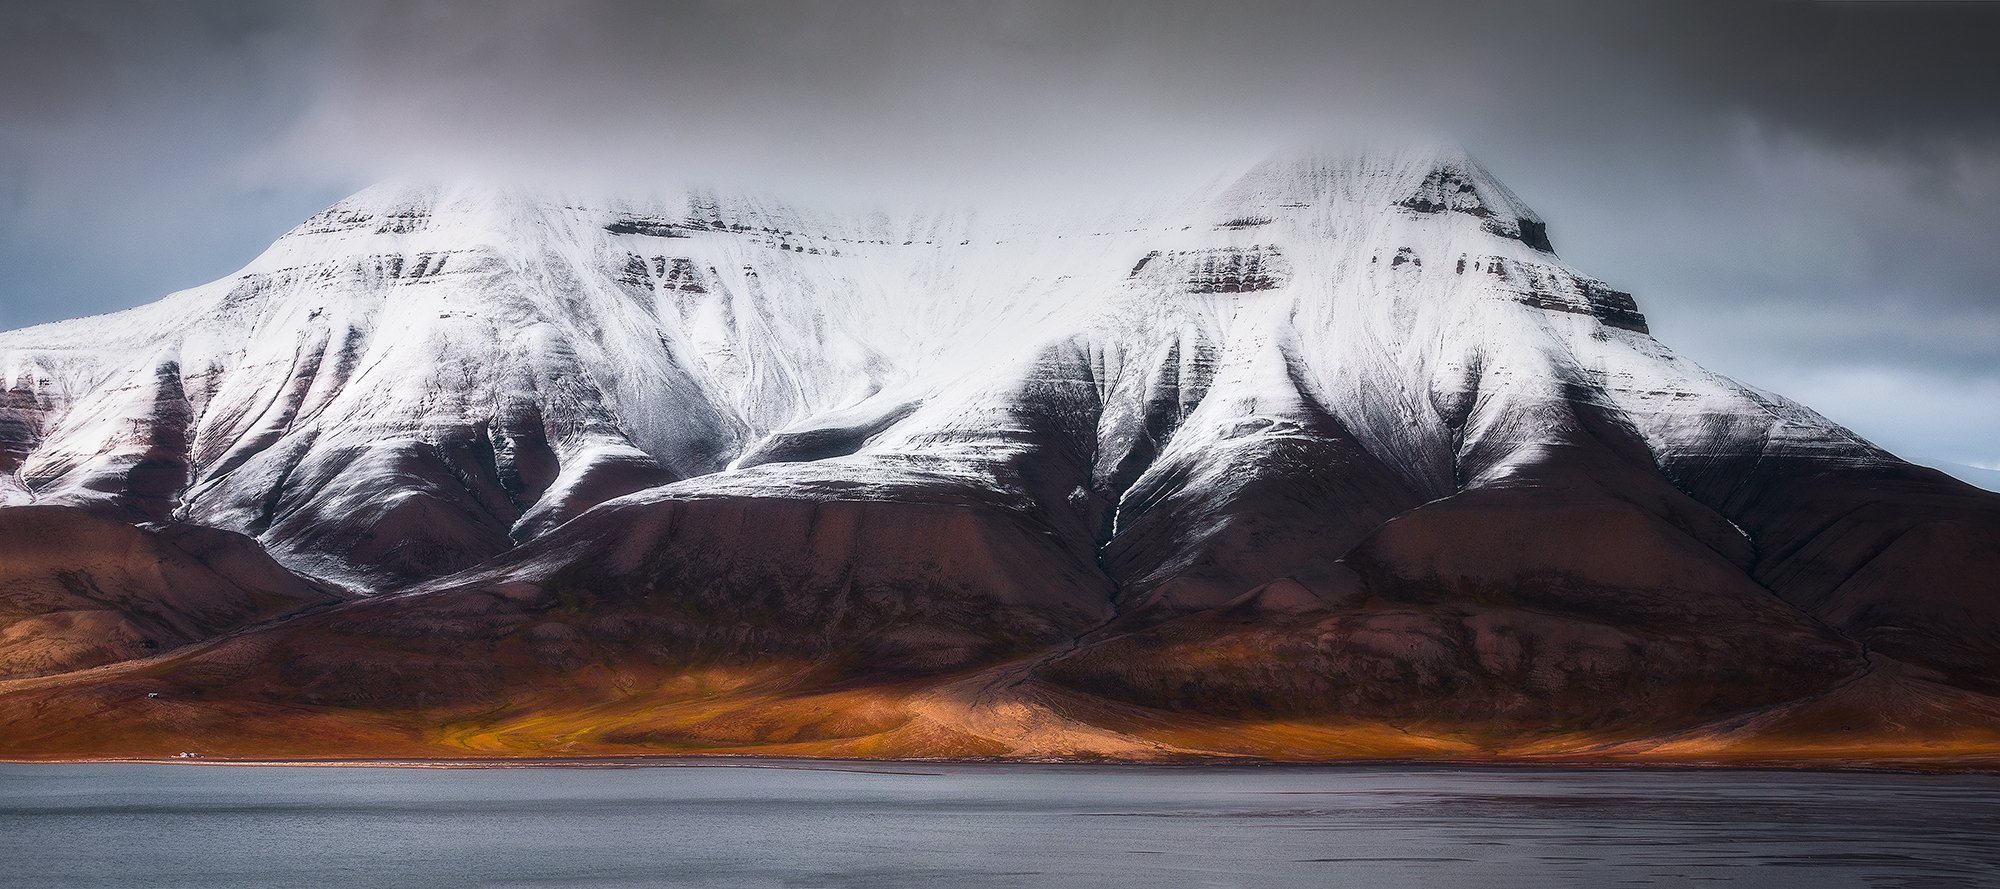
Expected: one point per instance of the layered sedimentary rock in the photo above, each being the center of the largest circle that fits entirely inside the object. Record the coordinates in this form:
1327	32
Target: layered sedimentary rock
1333	458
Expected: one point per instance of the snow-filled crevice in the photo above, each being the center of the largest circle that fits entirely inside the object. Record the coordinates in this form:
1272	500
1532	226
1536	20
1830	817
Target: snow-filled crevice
1384	325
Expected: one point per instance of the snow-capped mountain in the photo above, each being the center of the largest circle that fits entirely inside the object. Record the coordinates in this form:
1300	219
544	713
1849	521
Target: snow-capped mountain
467	367
1339	435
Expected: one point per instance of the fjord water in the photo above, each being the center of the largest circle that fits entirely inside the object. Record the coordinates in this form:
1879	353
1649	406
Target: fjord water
922	825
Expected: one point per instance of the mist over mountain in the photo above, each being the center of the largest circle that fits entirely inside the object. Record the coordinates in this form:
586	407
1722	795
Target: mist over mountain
1973	475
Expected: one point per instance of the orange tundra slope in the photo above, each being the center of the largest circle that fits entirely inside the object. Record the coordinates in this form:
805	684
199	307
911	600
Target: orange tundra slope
1335	459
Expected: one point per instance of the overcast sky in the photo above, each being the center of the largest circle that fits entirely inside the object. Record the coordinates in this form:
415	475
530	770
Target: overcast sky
1804	196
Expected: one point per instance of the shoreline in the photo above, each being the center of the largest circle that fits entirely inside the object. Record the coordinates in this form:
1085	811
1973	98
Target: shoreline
908	766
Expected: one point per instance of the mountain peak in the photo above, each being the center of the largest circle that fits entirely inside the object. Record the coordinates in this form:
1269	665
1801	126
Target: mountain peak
1421	179
1335	439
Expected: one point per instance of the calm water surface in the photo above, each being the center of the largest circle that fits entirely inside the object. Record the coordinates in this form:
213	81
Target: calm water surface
967	826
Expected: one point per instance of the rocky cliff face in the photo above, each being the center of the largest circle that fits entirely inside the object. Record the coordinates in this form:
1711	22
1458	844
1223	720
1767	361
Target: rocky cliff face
1338	442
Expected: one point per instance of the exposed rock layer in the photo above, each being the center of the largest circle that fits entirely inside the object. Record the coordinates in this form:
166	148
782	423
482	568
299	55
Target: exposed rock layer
1335	458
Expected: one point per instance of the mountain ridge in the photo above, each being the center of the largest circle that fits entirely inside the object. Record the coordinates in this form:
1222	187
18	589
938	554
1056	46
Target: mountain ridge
1338	439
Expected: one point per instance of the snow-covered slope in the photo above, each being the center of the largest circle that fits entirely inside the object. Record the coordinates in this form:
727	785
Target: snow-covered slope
418	377
1336	436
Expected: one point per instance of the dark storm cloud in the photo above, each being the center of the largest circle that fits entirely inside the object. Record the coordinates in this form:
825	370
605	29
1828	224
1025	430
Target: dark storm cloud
1802	194
917	83
1885	75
